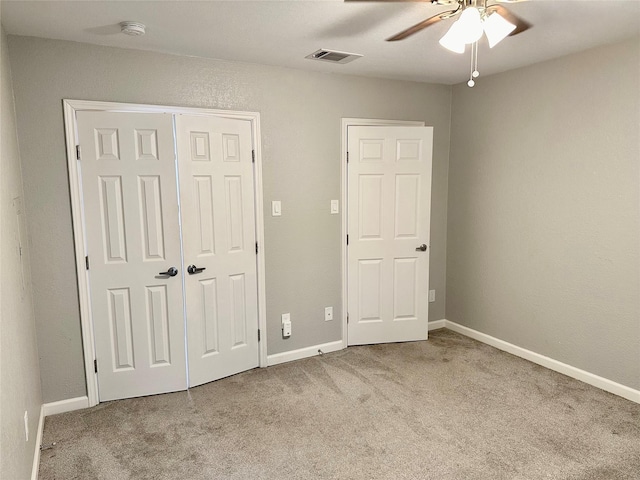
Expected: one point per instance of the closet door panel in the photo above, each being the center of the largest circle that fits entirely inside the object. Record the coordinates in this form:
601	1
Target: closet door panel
129	191
218	222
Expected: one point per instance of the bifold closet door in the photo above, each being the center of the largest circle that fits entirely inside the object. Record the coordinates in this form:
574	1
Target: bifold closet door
219	241
130	206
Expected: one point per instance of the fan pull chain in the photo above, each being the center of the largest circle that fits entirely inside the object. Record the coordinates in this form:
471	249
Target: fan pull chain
474	64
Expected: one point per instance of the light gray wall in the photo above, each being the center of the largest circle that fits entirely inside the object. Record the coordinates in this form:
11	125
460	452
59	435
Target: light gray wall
543	213
19	372
300	119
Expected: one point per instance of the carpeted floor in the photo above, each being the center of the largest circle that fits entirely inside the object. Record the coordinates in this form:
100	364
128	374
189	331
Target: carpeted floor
447	408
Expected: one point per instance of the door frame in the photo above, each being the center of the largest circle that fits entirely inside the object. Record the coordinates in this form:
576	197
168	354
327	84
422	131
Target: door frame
77	217
344	181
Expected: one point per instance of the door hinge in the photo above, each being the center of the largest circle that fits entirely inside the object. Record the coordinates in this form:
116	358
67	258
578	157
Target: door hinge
77	152
86	262
258	334
253	156
95	365
256	248
347	157
347	318
347	239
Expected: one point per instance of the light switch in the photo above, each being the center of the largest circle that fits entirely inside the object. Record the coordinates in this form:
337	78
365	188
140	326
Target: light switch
335	207
276	208
432	296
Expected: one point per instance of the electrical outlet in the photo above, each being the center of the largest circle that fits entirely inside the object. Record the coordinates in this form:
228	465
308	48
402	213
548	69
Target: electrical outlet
328	314
26	426
432	296
286	325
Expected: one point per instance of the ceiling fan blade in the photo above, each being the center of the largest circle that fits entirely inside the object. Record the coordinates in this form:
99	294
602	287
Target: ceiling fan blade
420	26
388	1
521	25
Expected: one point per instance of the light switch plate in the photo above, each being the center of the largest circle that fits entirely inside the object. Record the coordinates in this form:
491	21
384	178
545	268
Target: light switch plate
432	296
276	208
335	207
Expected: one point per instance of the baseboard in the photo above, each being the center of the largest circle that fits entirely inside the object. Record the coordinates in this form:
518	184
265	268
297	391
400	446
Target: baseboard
63	406
568	370
36	454
437	324
283	357
53	408
277	358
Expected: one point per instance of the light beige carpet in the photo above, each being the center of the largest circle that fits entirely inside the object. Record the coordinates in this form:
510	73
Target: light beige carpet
446	408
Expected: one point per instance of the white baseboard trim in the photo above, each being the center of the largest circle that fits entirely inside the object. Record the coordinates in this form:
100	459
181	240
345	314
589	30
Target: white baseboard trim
36	454
436	324
64	406
283	357
52	409
568	370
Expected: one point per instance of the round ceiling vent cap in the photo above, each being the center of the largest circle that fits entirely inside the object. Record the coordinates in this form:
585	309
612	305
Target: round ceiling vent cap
134	29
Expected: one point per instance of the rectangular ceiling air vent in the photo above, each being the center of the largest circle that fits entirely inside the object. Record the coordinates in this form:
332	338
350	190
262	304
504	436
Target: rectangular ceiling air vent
333	56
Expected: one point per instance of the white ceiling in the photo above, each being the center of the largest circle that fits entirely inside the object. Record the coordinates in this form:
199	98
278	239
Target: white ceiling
283	32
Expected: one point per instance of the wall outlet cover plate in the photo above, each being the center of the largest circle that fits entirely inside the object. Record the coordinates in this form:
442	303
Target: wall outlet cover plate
328	314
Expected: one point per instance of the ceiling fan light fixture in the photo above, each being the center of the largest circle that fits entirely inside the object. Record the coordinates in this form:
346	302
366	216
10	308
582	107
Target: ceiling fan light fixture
497	28
470	25
451	40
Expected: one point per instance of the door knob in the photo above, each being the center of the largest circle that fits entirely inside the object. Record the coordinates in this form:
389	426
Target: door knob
193	269
422	248
172	272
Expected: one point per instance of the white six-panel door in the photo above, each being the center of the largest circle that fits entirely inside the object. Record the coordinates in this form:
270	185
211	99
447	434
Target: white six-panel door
389	203
218	219
131	221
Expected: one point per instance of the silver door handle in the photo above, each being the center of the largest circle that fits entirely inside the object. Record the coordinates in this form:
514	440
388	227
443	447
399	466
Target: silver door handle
422	248
172	272
193	269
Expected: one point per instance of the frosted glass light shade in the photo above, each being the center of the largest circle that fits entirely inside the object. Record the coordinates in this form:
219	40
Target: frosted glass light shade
496	28
469	27
451	40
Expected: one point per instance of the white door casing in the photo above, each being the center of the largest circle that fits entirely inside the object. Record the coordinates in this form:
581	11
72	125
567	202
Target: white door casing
219	236
131	213
389	196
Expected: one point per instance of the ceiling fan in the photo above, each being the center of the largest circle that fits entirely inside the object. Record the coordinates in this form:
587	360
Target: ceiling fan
485	9
475	17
